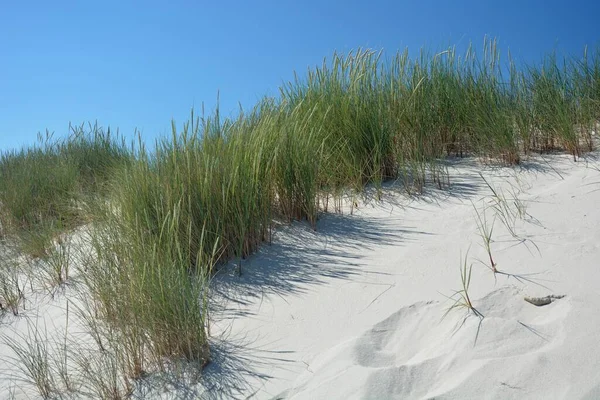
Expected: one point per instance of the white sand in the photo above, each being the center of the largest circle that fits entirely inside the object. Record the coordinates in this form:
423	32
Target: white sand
354	310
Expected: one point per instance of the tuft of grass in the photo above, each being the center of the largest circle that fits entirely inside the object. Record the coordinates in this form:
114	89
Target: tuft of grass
32	358
508	210
51	269
147	292
486	230
59	261
12	285
102	373
61	361
461	298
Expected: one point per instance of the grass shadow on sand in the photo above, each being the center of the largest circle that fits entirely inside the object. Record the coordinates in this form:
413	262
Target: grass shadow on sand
300	258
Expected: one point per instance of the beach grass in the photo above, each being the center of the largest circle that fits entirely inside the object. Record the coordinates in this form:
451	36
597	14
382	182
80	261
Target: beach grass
42	187
165	220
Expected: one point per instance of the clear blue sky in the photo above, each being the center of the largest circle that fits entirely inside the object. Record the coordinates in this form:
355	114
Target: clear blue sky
138	64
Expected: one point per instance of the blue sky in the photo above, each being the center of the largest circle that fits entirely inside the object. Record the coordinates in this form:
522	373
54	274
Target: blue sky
139	64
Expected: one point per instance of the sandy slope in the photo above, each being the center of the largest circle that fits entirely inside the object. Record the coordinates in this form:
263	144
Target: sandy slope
355	309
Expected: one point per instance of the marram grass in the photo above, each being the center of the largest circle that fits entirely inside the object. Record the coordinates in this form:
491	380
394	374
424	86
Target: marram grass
164	220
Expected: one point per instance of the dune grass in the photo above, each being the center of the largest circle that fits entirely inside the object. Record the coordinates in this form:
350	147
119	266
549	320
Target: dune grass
165	220
31	357
42	187
12	286
461	298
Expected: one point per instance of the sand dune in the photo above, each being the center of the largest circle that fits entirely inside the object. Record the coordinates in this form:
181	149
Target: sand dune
366	321
357	309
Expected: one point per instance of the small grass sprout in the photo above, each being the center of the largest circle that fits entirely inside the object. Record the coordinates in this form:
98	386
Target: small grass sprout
485	230
461	298
508	209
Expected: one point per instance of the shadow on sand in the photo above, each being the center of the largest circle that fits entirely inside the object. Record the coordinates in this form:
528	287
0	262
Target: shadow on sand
300	258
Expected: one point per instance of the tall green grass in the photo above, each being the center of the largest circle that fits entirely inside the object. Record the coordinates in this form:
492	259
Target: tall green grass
165	220
42	187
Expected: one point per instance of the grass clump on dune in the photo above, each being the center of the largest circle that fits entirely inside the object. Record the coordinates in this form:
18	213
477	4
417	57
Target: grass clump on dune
170	217
42	187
